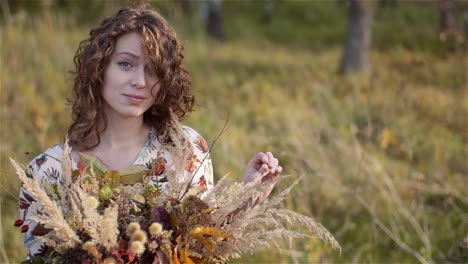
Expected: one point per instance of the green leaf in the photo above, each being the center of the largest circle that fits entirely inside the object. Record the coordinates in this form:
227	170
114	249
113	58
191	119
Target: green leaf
132	170
55	188
149	188
132	174
57	260
132	178
34	260
98	165
112	178
195	191
106	192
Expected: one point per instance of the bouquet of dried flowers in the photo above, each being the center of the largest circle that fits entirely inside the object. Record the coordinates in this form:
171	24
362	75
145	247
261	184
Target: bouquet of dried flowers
93	218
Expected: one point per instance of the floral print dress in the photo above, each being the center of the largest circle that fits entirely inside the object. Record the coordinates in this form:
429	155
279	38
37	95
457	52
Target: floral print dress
48	166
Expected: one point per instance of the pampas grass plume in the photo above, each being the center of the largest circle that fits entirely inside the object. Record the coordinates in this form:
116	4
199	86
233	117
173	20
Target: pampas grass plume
137	247
139	235
155	228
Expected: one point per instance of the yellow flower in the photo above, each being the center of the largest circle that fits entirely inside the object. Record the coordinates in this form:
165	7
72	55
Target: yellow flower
155	228
137	247
132	227
139	236
88	245
92	202
110	261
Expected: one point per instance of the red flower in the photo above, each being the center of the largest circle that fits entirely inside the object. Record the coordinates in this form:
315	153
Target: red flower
202	144
159	169
24	228
19	223
202	182
158	165
189	166
27	153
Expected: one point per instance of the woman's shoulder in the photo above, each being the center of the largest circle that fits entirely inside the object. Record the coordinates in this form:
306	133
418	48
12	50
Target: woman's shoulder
47	163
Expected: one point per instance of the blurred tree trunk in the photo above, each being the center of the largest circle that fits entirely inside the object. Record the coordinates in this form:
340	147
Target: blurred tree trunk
446	18
267	10
186	7
387	3
358	37
448	27
212	18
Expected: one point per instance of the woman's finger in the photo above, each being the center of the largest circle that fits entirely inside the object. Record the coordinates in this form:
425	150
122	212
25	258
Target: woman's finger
278	171
270	159
274	165
260	158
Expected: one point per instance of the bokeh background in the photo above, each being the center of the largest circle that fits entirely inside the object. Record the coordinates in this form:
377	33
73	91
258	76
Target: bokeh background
367	100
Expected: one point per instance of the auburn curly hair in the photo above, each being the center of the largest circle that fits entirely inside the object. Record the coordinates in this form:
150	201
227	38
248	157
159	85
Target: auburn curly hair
164	53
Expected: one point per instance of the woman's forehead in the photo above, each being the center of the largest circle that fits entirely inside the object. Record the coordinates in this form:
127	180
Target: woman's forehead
130	44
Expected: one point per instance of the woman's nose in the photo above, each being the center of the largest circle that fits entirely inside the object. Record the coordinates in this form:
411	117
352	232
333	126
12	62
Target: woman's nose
139	78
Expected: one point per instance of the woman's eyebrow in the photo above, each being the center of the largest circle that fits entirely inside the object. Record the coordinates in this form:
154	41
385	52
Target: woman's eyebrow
128	53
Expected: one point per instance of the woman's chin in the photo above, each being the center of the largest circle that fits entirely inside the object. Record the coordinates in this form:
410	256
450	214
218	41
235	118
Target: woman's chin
131	114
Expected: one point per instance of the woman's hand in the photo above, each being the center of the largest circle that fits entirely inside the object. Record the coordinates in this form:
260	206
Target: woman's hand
260	164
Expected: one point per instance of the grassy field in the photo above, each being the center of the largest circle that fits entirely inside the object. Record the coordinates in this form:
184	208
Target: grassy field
383	155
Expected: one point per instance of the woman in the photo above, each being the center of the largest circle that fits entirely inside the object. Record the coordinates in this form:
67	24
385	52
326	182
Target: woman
130	88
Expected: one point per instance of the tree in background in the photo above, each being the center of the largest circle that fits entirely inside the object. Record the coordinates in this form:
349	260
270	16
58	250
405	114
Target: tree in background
446	18
186	7
210	12
358	37
448	27
385	3
267	10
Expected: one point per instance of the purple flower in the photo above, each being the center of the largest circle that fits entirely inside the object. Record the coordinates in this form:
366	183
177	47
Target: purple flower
161	216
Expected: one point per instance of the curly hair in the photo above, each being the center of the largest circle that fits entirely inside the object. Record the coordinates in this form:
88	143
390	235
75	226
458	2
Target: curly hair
165	57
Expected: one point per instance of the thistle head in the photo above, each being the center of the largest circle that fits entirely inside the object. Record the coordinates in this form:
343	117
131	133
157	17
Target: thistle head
137	247
139	235
155	229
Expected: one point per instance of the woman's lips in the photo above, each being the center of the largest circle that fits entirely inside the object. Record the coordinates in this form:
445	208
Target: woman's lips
134	98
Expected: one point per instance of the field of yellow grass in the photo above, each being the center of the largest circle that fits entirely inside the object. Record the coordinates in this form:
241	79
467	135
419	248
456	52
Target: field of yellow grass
383	155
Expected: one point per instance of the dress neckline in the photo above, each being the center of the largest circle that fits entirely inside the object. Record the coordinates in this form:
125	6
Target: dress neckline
145	145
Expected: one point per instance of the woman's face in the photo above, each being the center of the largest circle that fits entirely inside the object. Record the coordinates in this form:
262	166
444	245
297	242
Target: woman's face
128	80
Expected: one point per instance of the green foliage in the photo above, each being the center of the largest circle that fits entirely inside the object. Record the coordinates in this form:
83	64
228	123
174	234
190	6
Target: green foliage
390	146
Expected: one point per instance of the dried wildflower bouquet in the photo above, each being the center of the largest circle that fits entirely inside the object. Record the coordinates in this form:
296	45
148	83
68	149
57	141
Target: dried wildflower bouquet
95	216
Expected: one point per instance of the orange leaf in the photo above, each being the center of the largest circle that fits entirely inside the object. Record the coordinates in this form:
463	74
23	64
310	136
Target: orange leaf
186	257
211	232
174	255
205	241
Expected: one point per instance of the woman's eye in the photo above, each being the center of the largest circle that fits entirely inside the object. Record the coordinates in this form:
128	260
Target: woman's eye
125	64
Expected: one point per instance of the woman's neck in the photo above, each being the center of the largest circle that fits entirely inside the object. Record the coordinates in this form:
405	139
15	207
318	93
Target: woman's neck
123	133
